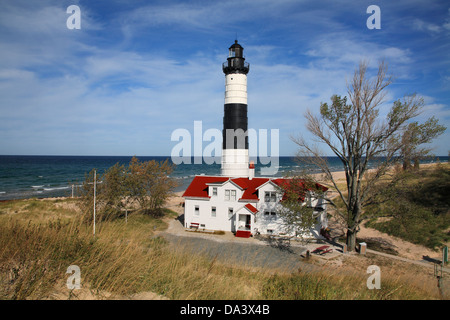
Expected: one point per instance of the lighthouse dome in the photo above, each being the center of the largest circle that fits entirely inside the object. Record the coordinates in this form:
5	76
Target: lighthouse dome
236	50
236	61
236	45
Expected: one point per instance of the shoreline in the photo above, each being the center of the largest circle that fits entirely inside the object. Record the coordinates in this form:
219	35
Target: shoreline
339	176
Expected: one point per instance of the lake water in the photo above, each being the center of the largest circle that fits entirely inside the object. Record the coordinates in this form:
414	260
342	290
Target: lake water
53	176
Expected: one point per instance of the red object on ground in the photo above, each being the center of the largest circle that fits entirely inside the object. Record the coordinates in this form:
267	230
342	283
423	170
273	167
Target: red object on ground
243	234
322	250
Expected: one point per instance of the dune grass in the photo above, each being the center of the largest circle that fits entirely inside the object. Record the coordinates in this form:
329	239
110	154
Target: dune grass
419	212
40	240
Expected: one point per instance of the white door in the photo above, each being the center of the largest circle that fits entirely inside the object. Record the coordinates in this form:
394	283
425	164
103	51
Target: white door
244	222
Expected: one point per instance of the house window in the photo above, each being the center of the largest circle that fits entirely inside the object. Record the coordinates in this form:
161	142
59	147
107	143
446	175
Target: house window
230	213
213	212
214	191
197	210
270	215
230	195
270	196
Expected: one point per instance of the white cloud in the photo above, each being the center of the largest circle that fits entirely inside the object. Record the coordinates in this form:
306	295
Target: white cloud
434	28
438	110
421	25
109	94
16	74
338	49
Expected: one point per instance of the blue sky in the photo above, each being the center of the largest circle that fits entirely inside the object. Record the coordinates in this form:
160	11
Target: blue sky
138	70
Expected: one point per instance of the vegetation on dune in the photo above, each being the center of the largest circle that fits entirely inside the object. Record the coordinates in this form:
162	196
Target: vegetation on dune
40	239
323	286
143	186
417	209
126	258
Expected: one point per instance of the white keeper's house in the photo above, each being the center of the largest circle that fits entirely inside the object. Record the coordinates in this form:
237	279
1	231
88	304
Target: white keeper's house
237	201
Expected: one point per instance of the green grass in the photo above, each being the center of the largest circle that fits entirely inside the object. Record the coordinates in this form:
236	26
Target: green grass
38	210
302	286
40	240
419	212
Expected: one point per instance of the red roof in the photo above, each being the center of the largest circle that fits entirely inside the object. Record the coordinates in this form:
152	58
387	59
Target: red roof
286	184
251	208
249	187
199	186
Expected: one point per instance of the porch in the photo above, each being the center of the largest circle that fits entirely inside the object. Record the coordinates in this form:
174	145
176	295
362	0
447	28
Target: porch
244	226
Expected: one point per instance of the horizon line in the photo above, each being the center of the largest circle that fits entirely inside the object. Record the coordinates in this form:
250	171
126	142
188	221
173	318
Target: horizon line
165	156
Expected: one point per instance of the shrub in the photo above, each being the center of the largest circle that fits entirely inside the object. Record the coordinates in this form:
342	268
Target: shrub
143	186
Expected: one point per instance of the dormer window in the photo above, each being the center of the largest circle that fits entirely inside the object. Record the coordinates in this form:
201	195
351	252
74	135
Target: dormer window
230	195
270	196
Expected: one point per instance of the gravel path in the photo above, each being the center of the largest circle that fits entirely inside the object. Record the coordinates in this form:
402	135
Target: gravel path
243	254
238	251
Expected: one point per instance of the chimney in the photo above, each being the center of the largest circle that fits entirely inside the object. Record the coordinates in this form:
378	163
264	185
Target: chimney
251	170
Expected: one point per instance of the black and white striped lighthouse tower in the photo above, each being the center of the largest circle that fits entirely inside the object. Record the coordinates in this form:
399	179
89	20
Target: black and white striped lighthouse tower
235	157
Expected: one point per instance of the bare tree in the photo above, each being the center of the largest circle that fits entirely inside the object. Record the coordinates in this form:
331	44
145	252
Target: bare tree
356	134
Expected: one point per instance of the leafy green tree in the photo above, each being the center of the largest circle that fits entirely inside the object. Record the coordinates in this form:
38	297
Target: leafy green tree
295	209
109	193
414	136
112	191
142	185
149	184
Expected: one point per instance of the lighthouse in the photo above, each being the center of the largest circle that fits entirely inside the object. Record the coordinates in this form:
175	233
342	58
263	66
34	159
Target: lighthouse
236	201
235	157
